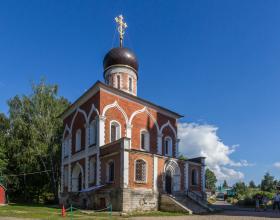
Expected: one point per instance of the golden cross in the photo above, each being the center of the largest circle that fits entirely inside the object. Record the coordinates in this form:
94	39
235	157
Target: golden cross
121	27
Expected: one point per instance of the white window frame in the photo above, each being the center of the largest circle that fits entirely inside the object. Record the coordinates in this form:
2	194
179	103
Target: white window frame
93	132
78	140
66	146
147	140
170	146
107	171
118	130
146	171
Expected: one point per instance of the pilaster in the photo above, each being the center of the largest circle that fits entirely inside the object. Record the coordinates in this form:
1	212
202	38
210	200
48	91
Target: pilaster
159	144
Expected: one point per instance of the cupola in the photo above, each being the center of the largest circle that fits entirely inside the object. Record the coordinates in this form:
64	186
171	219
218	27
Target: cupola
120	64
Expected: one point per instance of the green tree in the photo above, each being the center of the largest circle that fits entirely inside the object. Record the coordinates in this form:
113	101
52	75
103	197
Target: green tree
240	188
36	132
225	184
4	131
252	184
268	183
211	179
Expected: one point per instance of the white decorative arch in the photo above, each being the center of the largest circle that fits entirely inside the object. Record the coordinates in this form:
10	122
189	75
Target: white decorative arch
76	113
93	108
145	109
168	124
77	169
113	105
173	167
65	130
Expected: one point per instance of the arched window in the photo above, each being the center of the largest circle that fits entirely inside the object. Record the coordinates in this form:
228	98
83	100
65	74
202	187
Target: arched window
194	177
93	132
92	171
168	146
78	140
145	140
140	171
118	81
111	172
115	131
66	146
130	84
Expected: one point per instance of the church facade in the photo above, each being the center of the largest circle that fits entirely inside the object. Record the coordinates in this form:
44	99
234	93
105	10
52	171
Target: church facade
120	149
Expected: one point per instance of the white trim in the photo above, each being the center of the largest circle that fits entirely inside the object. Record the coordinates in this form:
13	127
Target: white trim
170	146
82	172
155	173
186	176
170	125
125	169
93	108
65	130
118	131
146	171
174	168
145	109
115	104
73	119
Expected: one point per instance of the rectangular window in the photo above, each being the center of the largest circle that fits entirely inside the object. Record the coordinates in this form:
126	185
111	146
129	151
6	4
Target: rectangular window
166	146
130	84
111	172
142	141
119	81
113	132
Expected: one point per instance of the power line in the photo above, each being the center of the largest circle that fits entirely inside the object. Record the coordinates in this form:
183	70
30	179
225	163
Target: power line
25	174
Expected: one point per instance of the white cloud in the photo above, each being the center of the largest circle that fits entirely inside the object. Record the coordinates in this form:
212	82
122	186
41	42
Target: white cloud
202	140
277	165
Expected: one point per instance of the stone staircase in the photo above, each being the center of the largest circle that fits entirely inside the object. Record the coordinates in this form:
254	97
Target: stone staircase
182	202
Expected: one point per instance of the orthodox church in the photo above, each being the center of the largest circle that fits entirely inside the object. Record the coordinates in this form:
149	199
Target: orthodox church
120	149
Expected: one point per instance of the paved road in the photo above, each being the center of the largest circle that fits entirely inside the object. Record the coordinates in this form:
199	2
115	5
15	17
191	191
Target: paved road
226	215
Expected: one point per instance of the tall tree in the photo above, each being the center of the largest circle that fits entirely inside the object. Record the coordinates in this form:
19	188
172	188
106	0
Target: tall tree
225	184
252	184
268	183
211	179
240	188
4	126
36	131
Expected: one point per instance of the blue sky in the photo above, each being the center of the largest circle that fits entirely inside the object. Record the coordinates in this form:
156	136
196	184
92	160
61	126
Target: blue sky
216	62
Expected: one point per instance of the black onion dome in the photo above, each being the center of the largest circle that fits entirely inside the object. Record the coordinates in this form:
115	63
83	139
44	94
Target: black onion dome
120	56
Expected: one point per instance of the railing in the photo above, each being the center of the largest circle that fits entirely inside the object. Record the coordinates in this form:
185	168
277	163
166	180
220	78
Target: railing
199	198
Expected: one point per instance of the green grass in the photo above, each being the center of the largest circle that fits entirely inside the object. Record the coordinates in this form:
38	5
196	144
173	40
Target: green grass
44	212
35	211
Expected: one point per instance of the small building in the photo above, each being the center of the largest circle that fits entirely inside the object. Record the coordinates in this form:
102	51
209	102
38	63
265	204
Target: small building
2	194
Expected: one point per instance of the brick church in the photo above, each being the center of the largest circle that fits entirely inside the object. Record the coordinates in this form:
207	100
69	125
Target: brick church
121	149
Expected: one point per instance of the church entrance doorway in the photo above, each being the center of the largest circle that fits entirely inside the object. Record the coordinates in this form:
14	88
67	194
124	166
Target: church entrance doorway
172	177
168	182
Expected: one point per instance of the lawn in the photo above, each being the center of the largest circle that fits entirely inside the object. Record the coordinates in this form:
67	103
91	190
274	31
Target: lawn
54	213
